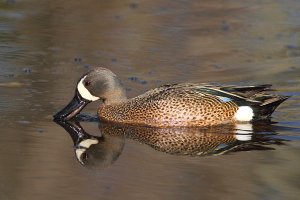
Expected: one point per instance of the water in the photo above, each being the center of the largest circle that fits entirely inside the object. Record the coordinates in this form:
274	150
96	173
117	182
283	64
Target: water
46	45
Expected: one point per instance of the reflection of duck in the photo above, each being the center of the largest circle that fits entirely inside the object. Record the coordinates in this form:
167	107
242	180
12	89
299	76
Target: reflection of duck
184	104
179	141
183	141
101	150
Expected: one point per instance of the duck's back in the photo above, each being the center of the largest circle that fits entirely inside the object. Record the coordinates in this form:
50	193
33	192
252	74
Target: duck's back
172	105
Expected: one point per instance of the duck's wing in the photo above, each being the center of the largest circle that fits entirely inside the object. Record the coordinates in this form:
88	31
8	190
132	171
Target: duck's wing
239	94
262	103
247	91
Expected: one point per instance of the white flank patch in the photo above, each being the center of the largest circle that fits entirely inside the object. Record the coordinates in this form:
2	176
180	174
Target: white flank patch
84	92
244	113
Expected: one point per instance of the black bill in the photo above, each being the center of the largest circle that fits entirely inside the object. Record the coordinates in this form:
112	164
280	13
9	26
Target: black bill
72	109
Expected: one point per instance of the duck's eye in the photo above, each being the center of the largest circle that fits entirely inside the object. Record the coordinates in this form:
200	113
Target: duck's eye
87	83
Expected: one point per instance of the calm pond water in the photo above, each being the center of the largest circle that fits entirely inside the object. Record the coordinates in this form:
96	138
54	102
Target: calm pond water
46	45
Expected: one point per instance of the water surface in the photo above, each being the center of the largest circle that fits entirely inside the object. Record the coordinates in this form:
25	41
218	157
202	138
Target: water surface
46	45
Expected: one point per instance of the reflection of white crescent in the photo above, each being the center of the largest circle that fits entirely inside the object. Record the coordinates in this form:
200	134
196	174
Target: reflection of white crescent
84	145
78	153
88	142
84	92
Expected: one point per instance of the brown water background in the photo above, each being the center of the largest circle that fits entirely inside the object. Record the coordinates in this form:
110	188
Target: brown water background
46	45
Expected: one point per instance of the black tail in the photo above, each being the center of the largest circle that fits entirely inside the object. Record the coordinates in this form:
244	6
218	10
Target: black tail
270	103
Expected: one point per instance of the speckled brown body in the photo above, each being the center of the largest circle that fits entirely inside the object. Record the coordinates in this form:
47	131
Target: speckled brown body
171	105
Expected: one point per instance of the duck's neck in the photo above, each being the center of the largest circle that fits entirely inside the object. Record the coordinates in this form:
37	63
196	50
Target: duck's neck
116	96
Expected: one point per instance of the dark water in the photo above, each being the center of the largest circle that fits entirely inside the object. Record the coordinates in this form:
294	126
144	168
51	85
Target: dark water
46	45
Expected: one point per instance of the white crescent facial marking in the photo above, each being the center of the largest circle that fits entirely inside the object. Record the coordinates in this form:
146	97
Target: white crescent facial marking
244	113
84	92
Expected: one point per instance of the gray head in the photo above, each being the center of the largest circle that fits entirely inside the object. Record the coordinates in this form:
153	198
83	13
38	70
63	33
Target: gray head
101	83
98	84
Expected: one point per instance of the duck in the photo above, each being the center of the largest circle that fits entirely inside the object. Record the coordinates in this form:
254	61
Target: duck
171	105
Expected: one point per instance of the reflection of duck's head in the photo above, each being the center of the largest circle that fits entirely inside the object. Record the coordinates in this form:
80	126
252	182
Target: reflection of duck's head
103	154
93	151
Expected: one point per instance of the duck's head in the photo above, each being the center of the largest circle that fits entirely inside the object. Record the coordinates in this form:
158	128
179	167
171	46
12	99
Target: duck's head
98	84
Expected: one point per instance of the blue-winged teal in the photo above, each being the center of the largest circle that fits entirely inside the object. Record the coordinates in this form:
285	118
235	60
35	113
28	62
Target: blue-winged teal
185	104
